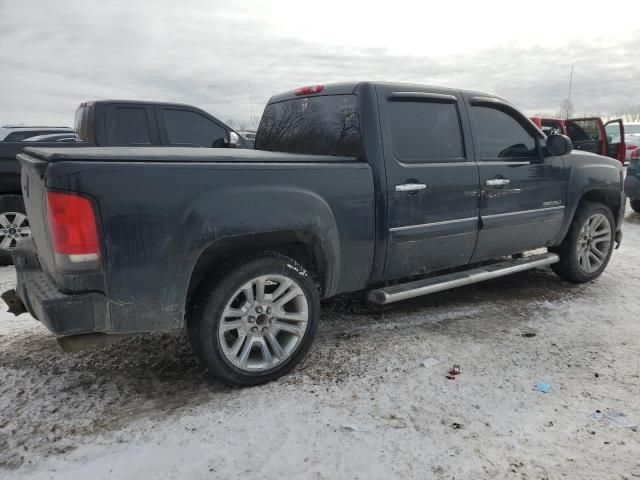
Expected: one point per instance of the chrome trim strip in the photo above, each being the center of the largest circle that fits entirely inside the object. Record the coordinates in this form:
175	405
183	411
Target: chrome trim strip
524	212
435	224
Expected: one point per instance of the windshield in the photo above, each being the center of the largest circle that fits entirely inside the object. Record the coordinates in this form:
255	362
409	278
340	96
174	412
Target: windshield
320	125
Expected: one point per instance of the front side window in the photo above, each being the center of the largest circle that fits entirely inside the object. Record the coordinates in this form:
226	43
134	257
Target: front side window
191	128
425	131
501	136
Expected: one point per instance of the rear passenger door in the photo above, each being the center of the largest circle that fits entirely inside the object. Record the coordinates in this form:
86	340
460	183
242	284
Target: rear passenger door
523	193
190	128
131	125
432	181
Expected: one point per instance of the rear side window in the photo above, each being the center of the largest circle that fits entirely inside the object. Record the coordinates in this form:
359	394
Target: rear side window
319	125
132	126
425	131
84	124
501	136
191	128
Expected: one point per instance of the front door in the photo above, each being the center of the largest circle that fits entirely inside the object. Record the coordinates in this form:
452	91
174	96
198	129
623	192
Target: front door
616	147
522	193
432	181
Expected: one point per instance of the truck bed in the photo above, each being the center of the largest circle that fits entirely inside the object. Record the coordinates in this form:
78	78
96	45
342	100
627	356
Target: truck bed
160	209
177	154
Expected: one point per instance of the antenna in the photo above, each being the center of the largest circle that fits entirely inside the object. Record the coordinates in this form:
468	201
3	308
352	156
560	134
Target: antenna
569	96
251	106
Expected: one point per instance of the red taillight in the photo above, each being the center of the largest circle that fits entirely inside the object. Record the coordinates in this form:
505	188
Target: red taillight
310	90
72	225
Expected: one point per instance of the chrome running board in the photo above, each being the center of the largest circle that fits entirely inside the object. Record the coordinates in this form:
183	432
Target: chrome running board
417	288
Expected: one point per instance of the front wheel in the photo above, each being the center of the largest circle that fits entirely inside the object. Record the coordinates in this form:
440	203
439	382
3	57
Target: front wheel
635	204
256	320
587	248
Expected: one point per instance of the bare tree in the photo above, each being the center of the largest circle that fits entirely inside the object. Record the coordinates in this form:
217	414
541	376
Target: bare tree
566	109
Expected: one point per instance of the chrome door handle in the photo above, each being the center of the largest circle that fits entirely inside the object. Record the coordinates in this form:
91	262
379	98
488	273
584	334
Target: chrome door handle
410	187
498	182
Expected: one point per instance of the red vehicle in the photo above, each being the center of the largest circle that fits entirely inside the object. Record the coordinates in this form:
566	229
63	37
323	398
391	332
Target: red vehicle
590	134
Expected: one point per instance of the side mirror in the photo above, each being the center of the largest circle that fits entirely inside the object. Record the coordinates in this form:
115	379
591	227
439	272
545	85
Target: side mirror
234	140
558	145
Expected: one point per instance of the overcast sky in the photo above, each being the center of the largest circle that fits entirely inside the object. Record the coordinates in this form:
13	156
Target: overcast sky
56	54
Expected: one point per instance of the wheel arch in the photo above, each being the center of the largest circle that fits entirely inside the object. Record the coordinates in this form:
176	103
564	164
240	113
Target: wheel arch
610	198
10	184
303	246
613	199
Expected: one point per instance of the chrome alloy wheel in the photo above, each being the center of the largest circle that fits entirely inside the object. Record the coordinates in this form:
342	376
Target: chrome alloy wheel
13	227
594	242
263	323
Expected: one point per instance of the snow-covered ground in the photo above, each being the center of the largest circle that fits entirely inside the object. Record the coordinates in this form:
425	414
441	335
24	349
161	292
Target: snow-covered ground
143	408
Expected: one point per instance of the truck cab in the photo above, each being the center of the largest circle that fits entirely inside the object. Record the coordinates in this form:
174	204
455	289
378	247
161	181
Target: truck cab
138	123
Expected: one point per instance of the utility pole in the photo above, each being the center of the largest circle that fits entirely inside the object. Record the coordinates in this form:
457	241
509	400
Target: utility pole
569	96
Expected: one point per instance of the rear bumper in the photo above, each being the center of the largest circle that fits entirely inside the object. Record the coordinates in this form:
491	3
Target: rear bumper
62	313
632	186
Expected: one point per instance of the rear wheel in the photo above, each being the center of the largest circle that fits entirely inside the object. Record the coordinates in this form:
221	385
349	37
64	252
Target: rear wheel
587	248
256	320
635	204
14	225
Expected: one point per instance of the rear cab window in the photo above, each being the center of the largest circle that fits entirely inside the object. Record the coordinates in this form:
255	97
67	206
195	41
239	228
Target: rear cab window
317	125
84	124
425	131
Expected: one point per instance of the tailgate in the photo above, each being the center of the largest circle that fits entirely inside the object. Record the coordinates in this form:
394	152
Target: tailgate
33	183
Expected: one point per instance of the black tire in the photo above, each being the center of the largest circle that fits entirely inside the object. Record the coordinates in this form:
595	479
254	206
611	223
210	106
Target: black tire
635	204
569	266
9	203
210	302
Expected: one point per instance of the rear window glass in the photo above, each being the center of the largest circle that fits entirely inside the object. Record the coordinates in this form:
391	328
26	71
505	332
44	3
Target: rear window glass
425	131
320	125
84	124
132	126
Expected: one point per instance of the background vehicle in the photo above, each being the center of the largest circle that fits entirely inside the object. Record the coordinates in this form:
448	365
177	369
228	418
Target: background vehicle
590	134
17	134
105	123
632	140
632	182
399	189
53	137
249	137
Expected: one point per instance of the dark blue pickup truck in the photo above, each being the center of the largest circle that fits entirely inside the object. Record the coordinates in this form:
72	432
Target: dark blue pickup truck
400	190
106	123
